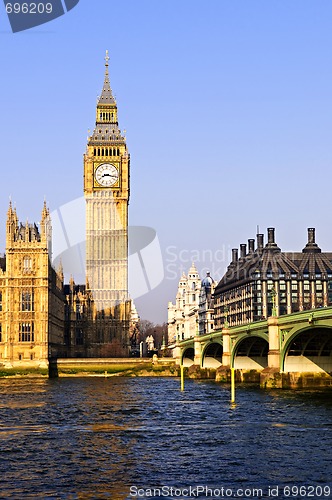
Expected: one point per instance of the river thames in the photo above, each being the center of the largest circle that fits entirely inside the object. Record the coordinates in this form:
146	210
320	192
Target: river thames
121	438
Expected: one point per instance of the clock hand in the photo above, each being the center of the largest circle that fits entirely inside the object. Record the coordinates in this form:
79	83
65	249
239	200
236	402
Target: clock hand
112	176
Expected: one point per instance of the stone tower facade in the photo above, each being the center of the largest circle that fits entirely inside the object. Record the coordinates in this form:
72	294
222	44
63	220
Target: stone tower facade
31	300
106	191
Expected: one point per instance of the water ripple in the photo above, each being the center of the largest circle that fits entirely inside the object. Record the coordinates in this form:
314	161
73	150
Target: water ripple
94	438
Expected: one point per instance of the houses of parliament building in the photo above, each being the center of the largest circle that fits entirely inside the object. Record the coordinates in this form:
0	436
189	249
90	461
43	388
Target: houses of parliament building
42	318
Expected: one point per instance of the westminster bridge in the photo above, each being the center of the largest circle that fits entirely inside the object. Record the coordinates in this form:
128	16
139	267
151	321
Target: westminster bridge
298	343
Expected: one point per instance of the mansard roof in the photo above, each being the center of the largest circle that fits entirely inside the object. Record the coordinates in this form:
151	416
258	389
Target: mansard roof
270	262
311	264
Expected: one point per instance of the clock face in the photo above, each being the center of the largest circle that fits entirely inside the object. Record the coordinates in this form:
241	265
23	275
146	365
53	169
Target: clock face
106	174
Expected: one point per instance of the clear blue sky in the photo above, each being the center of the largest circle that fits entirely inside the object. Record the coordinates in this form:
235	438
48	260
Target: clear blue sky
227	107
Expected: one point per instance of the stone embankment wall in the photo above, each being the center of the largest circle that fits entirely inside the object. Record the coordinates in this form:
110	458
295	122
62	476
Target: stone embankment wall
269	378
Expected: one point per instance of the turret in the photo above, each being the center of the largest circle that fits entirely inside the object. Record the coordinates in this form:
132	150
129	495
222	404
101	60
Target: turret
60	272
46	228
12	225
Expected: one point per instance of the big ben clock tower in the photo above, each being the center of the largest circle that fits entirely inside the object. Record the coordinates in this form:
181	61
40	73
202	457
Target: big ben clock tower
106	191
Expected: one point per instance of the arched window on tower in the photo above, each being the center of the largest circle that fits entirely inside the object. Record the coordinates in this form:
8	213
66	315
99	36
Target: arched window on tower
94	151
26	332
118	152
102	152
27	301
98	151
27	263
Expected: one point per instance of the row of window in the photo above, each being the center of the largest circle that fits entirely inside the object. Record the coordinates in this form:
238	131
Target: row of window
106	116
25	334
106	152
256	288
27	301
305	274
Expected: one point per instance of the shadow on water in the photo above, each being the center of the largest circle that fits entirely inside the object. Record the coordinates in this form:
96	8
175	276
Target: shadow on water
97	437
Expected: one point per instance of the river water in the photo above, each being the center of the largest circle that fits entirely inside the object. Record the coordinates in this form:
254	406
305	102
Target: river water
121	438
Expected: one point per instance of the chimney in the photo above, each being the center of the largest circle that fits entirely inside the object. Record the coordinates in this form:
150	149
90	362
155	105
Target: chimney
311	246
251	245
243	250
260	241
270	235
271	244
235	255
311	235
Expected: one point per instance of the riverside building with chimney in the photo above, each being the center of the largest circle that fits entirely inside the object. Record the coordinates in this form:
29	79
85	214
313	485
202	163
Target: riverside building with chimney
263	279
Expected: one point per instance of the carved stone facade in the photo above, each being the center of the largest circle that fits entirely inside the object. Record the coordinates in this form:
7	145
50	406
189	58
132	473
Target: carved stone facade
31	298
105	305
183	315
192	313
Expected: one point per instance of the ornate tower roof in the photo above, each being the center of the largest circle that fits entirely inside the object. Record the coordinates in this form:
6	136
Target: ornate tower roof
107	128
106	96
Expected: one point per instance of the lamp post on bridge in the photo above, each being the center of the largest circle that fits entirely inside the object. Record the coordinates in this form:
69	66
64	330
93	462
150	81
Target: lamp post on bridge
273	295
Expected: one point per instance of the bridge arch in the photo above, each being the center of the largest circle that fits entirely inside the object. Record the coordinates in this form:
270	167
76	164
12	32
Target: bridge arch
308	350
250	353
188	356
212	355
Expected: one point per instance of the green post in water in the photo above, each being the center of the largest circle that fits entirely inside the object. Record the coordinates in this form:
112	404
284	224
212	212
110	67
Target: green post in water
232	385
182	377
